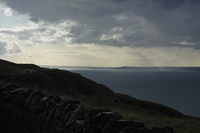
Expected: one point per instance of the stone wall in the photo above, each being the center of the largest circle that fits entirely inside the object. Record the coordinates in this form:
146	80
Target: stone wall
29	111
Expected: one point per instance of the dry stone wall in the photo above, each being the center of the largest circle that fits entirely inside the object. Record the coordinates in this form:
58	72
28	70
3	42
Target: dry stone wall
29	111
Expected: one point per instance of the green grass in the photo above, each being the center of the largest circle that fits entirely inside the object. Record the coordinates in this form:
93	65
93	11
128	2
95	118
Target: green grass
184	124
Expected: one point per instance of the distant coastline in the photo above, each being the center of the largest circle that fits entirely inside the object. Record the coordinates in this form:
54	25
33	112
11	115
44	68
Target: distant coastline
125	68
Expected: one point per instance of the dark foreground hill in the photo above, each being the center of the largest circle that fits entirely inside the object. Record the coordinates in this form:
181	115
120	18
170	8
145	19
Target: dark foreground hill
91	94
65	82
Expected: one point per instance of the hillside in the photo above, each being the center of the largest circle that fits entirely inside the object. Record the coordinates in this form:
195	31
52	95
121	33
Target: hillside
90	93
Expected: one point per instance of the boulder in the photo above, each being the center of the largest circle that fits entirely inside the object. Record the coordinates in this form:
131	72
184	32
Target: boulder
59	110
116	100
76	120
76	126
57	99
78	114
64	106
52	112
37	109
45	99
135	130
34	98
8	87
162	130
49	106
89	118
19	96
22	97
101	121
12	95
67	112
27	93
169	129
115	126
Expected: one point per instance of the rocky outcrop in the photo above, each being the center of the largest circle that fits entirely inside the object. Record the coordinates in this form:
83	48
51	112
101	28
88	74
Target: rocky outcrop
29	111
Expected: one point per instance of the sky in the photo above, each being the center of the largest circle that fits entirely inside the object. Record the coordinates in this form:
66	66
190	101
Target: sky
101	33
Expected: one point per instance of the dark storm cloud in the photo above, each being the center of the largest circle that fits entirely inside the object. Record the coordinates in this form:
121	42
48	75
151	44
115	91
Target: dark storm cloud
23	34
36	20
121	22
170	4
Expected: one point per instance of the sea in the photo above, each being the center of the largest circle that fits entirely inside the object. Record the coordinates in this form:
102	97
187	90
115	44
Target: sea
178	88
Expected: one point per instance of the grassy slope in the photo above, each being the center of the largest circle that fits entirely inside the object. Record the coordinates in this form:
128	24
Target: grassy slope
93	95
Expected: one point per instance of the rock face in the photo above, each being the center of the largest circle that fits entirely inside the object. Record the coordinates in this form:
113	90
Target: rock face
29	111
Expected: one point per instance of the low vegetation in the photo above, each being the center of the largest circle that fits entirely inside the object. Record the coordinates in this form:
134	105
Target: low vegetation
94	95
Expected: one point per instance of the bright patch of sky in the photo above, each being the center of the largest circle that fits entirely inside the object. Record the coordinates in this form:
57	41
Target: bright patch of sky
9	19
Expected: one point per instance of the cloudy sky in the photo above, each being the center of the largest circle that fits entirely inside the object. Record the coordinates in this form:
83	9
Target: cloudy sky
101	32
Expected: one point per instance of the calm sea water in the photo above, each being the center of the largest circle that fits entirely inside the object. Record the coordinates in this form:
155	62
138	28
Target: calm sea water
177	89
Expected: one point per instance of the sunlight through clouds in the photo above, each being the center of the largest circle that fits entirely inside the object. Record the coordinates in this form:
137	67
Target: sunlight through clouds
6	10
101	33
37	34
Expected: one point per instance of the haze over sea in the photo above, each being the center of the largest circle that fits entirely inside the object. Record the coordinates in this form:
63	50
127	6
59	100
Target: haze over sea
178	88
